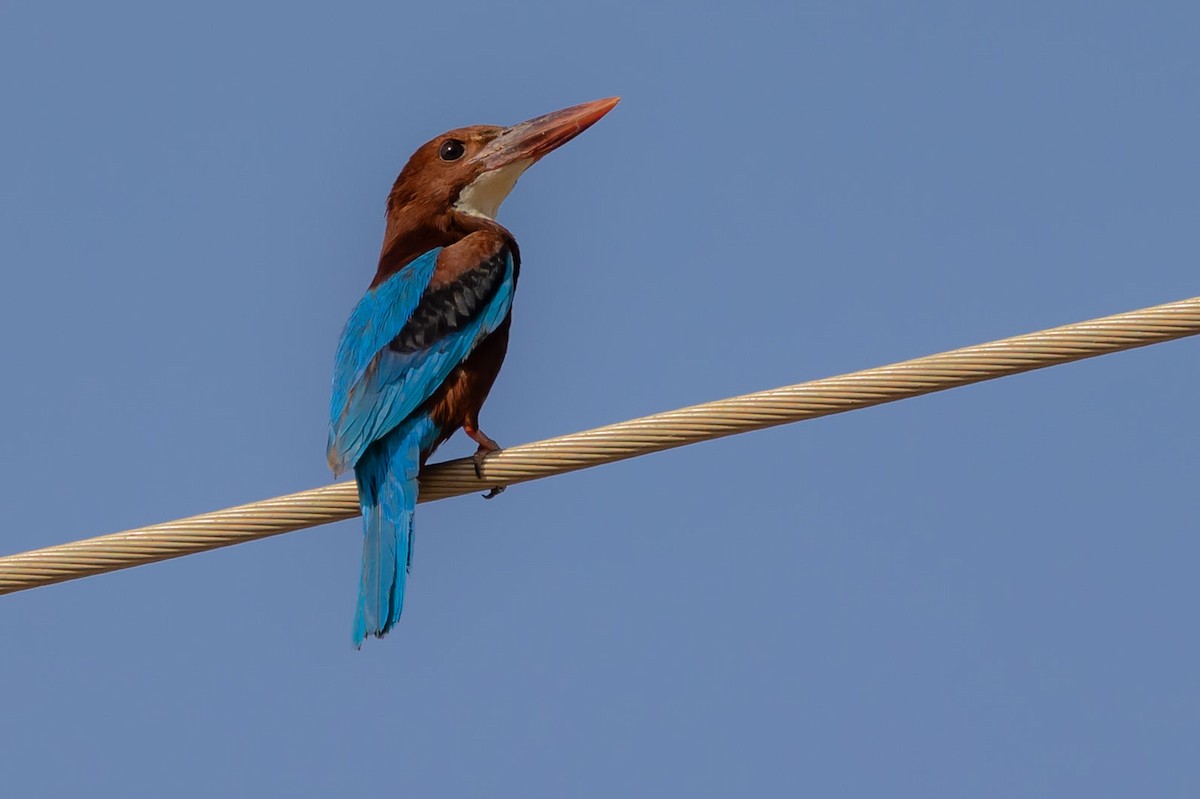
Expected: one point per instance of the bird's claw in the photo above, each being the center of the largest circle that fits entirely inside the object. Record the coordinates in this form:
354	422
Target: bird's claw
477	460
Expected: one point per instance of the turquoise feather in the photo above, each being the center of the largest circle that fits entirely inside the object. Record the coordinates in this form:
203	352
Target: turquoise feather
387	491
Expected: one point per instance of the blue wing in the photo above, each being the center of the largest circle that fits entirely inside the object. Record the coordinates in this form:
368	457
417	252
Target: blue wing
377	386
377	319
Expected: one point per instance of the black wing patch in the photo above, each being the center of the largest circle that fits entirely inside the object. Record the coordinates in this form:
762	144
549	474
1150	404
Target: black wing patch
450	307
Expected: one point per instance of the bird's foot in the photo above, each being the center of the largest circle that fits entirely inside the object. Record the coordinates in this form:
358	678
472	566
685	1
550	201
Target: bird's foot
478	458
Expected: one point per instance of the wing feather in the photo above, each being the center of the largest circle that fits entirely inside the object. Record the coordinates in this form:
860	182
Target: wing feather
411	356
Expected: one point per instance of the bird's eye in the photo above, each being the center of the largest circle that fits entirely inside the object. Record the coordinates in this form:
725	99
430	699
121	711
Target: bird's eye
452	150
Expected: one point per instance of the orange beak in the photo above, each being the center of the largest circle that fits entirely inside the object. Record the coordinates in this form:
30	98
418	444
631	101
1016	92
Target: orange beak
534	138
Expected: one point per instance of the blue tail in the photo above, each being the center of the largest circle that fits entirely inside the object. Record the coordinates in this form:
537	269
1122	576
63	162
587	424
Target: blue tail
387	493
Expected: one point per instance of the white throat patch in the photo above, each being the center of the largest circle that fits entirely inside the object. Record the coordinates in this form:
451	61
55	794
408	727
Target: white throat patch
482	197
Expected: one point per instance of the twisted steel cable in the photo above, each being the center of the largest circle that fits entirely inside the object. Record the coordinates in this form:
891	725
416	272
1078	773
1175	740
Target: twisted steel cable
614	442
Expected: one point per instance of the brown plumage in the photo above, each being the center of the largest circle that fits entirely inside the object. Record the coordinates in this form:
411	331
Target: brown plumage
459	399
420	207
421	215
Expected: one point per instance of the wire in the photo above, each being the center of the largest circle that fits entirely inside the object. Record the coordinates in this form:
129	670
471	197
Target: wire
615	442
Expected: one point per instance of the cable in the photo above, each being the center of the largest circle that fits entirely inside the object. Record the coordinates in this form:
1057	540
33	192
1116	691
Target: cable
615	442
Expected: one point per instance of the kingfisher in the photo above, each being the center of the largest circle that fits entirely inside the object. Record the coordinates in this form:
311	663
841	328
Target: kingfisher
422	348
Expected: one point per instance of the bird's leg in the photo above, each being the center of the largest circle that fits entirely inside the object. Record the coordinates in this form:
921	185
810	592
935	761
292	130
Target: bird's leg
486	447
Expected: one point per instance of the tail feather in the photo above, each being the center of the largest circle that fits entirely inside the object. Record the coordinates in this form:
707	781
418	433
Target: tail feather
387	493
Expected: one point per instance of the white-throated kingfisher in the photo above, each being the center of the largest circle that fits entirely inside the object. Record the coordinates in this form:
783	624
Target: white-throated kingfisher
423	347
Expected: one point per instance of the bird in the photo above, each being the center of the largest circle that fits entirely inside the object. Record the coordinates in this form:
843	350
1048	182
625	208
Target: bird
421	349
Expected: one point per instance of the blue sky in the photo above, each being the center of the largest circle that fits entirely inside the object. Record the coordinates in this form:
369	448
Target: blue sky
987	592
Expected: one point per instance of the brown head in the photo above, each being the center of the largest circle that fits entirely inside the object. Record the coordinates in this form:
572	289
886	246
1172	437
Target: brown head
454	184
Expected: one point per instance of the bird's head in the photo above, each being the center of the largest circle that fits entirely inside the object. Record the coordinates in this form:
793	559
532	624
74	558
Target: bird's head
463	175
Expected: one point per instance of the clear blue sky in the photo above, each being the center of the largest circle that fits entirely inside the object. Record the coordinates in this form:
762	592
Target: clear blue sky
990	592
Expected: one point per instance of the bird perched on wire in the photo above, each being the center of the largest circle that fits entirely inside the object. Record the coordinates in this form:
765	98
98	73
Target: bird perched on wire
421	350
